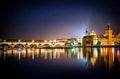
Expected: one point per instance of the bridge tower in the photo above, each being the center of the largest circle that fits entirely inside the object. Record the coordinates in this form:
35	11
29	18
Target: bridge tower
108	34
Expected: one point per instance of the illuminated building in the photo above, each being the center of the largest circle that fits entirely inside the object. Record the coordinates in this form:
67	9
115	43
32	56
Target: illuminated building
89	39
109	38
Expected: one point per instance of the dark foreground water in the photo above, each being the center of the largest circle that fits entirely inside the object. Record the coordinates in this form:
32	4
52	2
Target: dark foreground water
75	63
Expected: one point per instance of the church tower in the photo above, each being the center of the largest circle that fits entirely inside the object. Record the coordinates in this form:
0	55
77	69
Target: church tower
86	33
108	34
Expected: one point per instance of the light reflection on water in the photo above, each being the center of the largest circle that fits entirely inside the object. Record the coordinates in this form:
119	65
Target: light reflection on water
77	55
54	63
88	55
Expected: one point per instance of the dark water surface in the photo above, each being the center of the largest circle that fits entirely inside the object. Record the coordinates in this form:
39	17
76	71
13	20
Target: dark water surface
75	63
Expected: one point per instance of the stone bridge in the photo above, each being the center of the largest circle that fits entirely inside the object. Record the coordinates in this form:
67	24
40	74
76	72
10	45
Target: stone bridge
33	44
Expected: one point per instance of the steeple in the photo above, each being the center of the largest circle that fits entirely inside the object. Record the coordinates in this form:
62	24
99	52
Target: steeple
86	32
108	25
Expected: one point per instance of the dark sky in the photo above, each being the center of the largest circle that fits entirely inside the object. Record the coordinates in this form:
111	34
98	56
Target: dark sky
51	19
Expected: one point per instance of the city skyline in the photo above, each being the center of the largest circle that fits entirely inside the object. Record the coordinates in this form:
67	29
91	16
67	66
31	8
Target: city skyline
56	19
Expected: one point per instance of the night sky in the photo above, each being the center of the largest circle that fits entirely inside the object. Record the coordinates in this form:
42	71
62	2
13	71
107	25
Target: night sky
52	19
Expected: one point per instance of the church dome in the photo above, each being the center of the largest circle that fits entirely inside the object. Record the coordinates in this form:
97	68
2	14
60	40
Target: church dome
93	33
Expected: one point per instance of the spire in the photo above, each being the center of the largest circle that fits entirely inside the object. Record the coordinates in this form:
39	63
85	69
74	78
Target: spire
86	32
108	25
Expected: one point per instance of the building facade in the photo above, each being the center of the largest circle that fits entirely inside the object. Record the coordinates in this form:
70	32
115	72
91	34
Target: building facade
90	39
108	38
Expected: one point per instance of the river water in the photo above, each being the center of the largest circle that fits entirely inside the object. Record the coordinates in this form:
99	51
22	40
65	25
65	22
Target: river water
74	63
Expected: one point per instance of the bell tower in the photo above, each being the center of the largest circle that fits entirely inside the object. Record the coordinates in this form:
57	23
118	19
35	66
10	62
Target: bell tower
109	33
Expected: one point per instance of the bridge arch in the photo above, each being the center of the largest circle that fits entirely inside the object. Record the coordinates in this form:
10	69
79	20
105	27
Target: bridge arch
17	45
46	45
33	45
58	45
5	45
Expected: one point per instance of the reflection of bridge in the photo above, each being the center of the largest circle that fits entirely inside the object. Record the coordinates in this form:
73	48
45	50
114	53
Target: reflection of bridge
33	44
86	55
